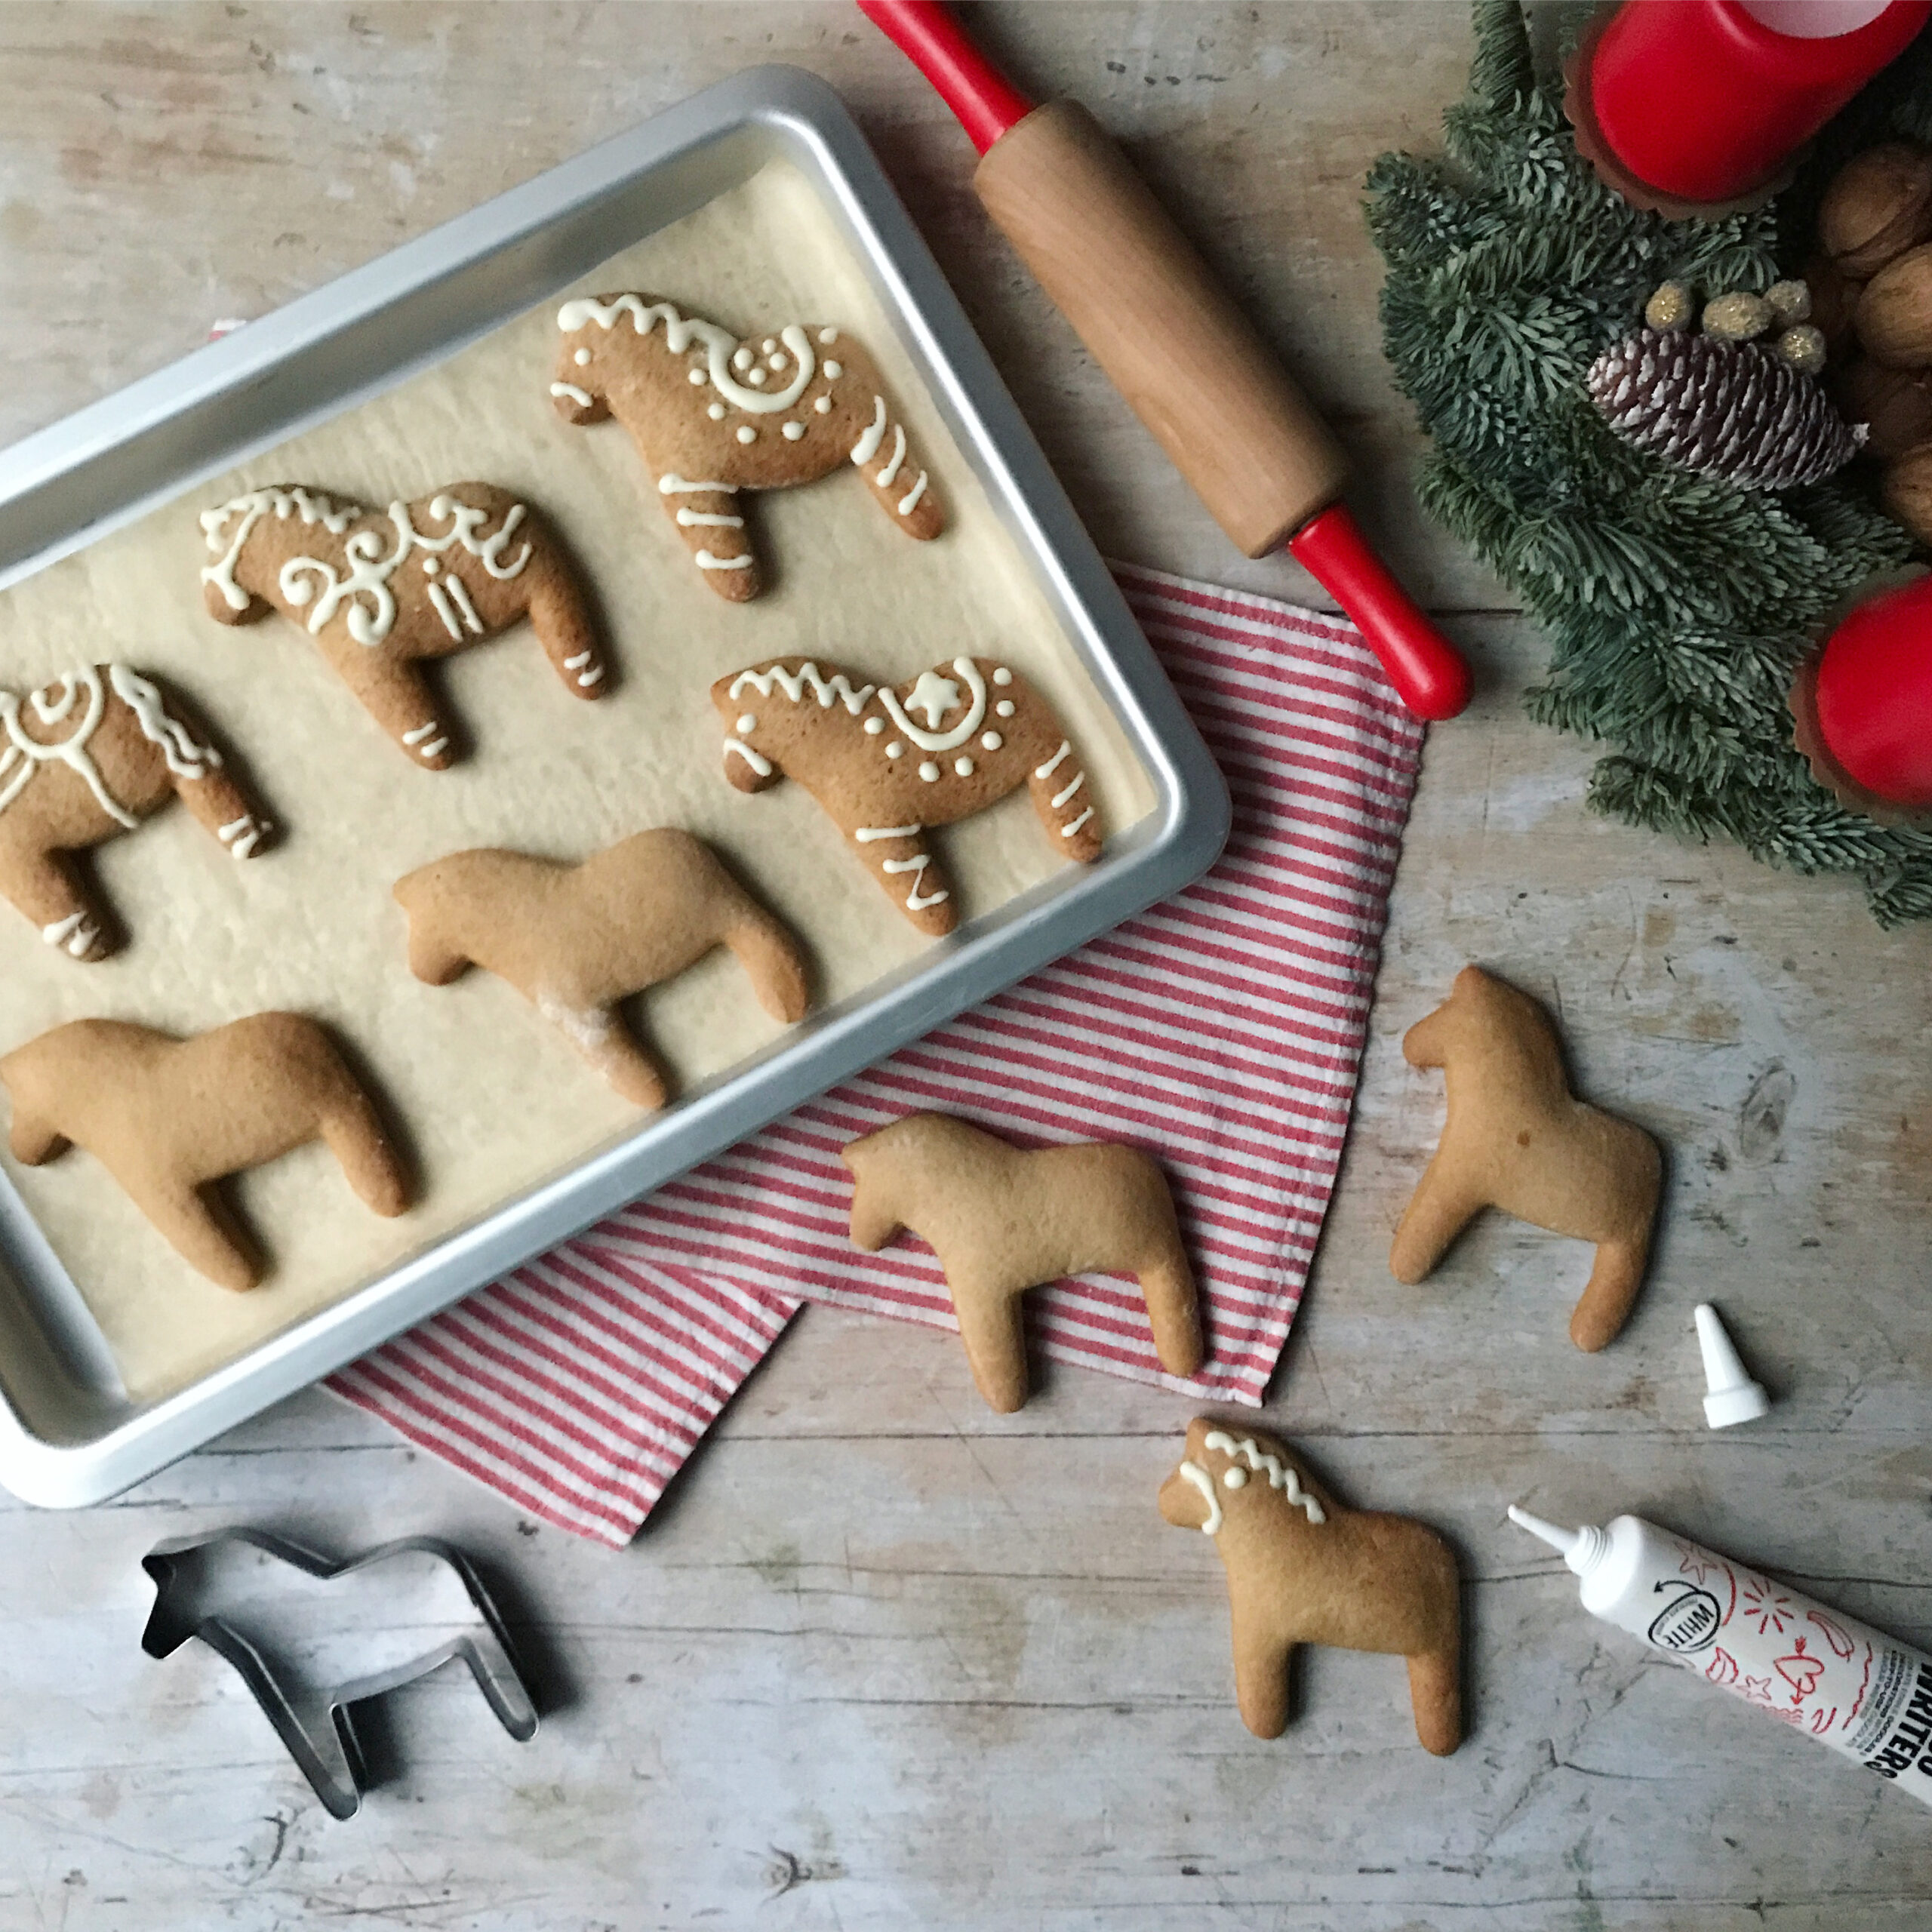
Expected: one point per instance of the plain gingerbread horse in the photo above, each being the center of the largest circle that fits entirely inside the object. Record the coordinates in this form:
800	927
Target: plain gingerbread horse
381	592
575	940
885	763
1002	1221
712	416
1517	1139
1303	1569
83	760
167	1117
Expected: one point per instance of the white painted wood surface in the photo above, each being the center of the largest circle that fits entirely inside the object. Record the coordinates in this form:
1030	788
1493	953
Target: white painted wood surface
884	1660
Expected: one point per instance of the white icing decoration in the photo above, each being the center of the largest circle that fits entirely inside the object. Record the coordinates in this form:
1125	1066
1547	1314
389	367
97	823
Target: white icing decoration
185	758
1002	676
793	431
1005	707
895	749
747	434
311	506
706	562
1235	1479
964	766
922	694
459	596
63	930
581	358
884	478
577	663
698	379
833	371
828	336
796	684
824	405
716	412
242	836
762	766
992	742
421	732
866	447
867	834
747	725
1279	1475
768	346
929	771
430	567
910	502
1060	798
777	364
671	484
1193	1473
22	756
446	610
1067	831
915	901
756	379
874	726
582	397
595	676
52	712
679	332
711	519
1047	770
434	749
934	695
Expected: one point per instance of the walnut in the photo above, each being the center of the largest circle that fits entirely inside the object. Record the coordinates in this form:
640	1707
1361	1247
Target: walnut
1878	205
1894	318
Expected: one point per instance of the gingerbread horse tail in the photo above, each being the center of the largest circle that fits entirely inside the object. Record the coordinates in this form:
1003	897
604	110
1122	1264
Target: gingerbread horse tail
898	484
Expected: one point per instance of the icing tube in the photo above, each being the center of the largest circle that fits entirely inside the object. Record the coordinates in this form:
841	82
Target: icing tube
1867	1695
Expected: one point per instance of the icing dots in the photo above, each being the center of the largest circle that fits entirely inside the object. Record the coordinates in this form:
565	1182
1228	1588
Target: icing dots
793	432
874	726
582	358
833	371
747	434
929	771
828	336
824	405
722	352
747	725
992	742
716	412
1002	675
1005	707
963	766
698	379
743	360
895	749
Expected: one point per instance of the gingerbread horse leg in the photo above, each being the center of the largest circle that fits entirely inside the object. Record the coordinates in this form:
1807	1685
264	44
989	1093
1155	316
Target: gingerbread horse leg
769	954
896	856
1438	1212
1607	1297
393	693
1435	1691
203	1234
561	617
993	1331
709	520
895	476
1173	1311
599	1034
1261	1677
1058	784
43	886
220	806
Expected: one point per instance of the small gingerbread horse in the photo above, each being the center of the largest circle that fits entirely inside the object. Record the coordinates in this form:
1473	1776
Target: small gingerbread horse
1002	1221
83	760
379	592
883	776
1517	1139
167	1118
711	415
1302	1568
576	940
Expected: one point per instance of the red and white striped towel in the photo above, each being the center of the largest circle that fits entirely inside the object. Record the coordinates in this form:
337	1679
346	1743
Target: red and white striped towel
1221	1030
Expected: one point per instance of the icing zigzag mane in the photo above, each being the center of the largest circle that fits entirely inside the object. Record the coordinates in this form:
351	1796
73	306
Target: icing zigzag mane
1279	1475
794	683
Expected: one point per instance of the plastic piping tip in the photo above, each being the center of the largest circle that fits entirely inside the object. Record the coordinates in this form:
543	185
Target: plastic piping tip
1554	1534
1734	1396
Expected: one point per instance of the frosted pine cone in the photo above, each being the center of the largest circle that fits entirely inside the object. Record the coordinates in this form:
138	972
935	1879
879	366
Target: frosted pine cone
1731	409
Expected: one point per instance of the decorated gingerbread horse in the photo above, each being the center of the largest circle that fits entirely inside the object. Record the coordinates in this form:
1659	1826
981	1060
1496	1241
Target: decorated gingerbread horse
1002	1221
1302	1568
886	762
576	940
83	760
167	1118
711	416
380	591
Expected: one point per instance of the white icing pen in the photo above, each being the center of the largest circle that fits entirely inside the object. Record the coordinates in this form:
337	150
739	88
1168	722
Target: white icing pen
1867	1695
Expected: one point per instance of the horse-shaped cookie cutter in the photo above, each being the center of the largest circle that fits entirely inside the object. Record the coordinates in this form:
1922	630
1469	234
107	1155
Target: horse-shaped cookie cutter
307	1671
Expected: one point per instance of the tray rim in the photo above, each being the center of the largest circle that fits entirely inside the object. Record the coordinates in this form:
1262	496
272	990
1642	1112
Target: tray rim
1177	842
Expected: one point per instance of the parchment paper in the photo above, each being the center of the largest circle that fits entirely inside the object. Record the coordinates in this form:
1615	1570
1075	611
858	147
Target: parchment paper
491	1100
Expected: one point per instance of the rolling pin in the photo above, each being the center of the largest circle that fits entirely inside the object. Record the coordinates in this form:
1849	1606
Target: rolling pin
1190	365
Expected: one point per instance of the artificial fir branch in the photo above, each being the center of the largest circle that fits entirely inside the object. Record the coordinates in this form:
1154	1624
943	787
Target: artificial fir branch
1677	606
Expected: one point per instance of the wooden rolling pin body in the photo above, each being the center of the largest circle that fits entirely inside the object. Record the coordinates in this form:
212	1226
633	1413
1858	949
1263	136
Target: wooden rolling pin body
1193	367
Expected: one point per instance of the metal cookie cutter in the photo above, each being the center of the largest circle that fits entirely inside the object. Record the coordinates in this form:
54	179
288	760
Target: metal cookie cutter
311	1637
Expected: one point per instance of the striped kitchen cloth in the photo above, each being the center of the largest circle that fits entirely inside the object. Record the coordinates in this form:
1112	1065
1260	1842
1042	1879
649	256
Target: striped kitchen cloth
1221	1030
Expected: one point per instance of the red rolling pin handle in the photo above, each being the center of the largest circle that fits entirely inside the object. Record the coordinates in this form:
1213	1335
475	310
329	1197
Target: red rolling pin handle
1427	671
925	31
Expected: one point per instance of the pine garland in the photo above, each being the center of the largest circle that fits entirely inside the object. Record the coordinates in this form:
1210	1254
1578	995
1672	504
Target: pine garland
1677	606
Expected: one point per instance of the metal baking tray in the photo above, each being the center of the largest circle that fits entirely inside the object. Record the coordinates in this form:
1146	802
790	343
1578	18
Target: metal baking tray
70	1433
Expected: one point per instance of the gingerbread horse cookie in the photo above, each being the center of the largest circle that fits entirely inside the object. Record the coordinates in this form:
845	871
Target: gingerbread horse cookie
1517	1139
575	940
883	777
381	590
712	416
1001	1222
167	1118
1302	1568
82	760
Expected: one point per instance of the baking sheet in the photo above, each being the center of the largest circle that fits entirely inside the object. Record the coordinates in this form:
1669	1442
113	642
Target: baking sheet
493	1101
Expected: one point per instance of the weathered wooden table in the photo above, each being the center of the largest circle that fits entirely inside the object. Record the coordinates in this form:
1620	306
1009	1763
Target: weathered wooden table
882	1659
